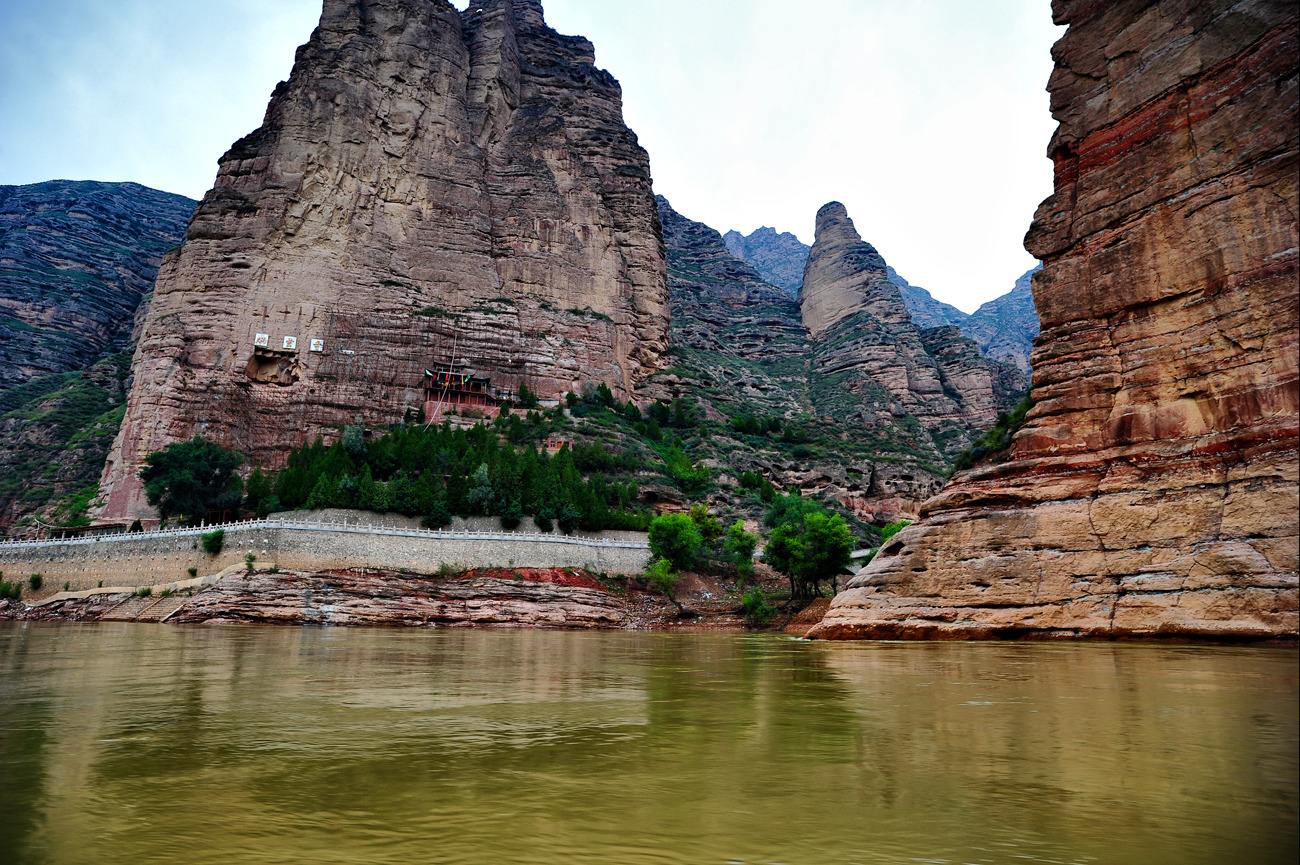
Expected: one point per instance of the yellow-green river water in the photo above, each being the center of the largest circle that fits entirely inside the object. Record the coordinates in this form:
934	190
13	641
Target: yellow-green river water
128	743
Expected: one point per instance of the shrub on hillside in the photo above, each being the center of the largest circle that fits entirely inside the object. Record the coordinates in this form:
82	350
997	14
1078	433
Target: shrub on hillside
213	541
663	578
891	529
998	438
738	549
758	611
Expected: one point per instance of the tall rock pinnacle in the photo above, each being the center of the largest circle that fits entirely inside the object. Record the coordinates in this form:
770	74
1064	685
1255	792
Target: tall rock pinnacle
861	329
845	275
429	189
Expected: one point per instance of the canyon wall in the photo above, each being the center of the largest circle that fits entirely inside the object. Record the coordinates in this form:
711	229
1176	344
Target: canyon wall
76	259
779	258
808	413
430	189
1153	487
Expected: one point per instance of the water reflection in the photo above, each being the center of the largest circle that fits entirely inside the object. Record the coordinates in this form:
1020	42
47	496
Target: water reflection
129	743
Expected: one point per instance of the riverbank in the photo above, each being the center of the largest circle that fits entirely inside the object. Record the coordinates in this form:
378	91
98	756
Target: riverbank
565	598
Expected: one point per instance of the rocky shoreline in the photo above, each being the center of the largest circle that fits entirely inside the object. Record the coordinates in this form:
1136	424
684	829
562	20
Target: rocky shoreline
561	598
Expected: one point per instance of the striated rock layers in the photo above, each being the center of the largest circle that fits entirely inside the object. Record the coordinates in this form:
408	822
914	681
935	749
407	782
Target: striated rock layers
1153	488
925	309
739	348
76	259
1004	328
865	339
720	303
429	189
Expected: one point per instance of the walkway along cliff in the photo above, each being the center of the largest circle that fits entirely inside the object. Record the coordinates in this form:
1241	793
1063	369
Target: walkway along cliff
1153	487
430	190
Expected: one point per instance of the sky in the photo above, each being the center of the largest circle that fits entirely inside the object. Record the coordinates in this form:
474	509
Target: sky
928	119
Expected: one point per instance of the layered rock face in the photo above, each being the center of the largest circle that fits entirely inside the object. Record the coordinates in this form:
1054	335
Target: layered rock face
55	432
430	189
76	260
739	348
778	257
925	309
720	303
1153	488
863	333
1003	329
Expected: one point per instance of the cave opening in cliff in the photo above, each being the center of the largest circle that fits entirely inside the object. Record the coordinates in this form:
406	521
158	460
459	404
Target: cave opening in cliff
273	366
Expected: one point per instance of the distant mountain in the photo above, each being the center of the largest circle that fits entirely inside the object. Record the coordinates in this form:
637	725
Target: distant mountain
76	258
741	350
1004	328
77	263
778	258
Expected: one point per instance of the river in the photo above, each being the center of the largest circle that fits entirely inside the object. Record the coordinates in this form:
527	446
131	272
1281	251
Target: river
128	743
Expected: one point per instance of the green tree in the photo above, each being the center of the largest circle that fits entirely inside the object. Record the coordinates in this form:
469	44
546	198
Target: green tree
787	508
810	548
527	398
257	491
438	516
891	529
322	494
676	539
738	549
192	479
354	440
512	514
710	526
481	496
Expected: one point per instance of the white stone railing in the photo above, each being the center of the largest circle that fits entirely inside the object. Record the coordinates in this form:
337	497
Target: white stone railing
353	528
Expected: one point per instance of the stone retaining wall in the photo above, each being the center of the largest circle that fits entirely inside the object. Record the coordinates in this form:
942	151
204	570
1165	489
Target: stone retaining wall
151	558
490	525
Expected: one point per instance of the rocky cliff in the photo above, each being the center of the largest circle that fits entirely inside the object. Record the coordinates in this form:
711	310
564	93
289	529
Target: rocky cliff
1003	329
740	349
925	309
76	259
429	189
778	257
865	339
55	432
1153	488
720	303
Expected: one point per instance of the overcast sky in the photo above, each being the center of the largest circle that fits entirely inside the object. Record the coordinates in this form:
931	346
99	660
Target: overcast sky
927	118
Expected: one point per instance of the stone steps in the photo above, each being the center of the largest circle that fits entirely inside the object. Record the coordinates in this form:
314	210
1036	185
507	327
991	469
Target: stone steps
164	608
130	610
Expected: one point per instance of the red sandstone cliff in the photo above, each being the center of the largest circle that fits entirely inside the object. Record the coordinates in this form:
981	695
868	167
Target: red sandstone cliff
1153	488
429	187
